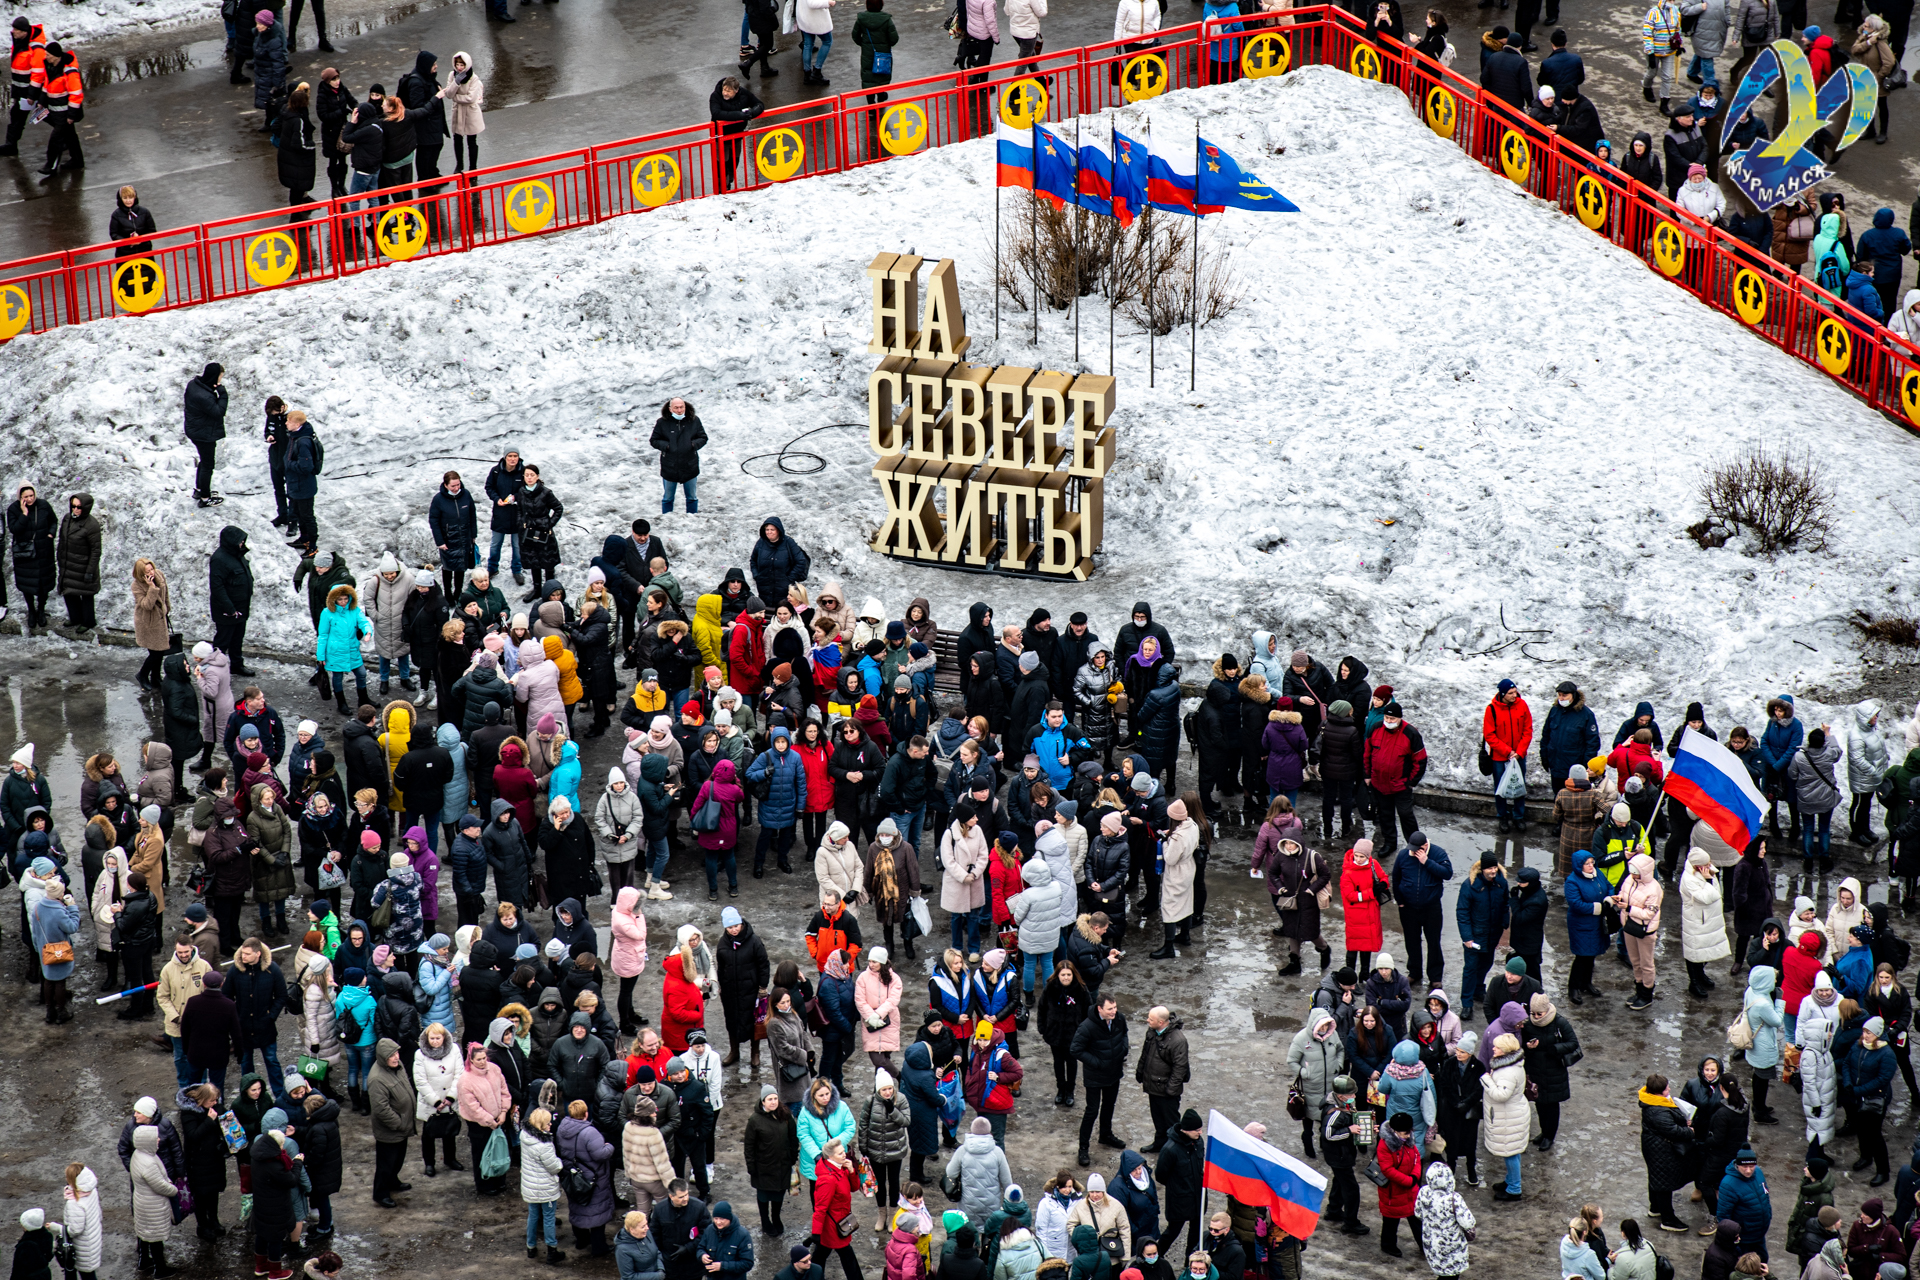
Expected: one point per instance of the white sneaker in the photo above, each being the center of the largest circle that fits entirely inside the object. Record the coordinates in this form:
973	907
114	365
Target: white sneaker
657	894
710	1169
661	884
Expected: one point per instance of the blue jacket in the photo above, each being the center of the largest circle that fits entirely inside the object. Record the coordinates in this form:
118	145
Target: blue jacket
437	982
303	461
1870	1072
1050	745
565	778
453	796
1415	885
922	1091
1856	972
732	1249
1586	935
338	646
1780	743
469	862
836	1001
1745	1201
1862	296
300	761
1142	1206
1482	910
1571	733
786	786
1562	69
1885	247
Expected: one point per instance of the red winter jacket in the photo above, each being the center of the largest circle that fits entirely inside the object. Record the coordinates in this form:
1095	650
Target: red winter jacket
832	1200
1361	889
1402	1168
1507	729
1629	756
1396	759
819	781
747	656
682	1007
1800	965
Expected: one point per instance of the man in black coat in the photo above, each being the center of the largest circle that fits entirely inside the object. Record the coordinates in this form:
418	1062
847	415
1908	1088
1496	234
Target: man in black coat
503	491
733	105
1582	127
1076	644
975	637
1505	74
421	88
1216	731
210	1031
259	993
230	593
366	762
566	839
1527	928
1100	1046
1040	639
1139	627
540	513
1178	1171
639	547
422	775
677	433
676	1224
206	426
1030	698
777	562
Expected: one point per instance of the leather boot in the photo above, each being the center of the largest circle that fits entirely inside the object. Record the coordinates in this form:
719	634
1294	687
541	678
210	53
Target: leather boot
158	1252
733	1054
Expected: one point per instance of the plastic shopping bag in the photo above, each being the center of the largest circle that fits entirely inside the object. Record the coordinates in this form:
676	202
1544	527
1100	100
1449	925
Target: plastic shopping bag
1513	782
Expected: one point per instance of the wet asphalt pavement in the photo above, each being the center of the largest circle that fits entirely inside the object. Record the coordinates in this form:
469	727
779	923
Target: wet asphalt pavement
161	115
69	1089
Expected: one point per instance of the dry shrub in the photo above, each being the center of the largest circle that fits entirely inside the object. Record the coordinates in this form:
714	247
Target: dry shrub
1779	499
1904	632
1147	269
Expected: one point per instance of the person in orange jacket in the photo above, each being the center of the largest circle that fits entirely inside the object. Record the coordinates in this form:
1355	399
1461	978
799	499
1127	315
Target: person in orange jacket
65	98
27	78
1507	729
833	928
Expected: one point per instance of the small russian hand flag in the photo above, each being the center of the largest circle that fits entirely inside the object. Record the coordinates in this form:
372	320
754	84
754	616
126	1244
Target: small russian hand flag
1013	156
1257	1174
1711	780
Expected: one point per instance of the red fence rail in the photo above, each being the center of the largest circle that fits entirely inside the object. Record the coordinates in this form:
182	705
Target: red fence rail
234	257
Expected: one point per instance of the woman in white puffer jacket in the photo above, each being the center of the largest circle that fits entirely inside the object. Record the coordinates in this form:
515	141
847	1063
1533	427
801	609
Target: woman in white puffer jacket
1813	1032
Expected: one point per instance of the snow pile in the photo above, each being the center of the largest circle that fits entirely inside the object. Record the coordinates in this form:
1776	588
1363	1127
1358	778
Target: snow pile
80	22
1441	402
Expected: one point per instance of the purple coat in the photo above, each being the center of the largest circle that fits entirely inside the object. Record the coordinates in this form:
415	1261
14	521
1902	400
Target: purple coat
578	1143
723	785
427	865
1285	745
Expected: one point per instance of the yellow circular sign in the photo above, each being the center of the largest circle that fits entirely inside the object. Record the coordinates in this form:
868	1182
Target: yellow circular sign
1267	54
1145	77
402	232
903	128
656	180
1590	202
1669	248
1442	110
272	258
781	152
1750	296
1910	395
1516	157
1022	103
15	310
1833	345
138	285
1365	62
530	206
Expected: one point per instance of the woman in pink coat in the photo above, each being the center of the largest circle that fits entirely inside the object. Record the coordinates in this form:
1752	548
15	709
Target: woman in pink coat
537	684
629	953
485	1104
876	995
213	676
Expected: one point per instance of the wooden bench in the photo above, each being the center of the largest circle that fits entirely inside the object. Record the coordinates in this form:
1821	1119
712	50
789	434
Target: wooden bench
946	671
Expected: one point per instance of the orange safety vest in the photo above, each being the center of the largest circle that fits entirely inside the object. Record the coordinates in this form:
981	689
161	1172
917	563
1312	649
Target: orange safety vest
29	64
65	93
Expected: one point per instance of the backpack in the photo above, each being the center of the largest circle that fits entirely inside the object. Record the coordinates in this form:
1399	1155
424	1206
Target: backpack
1662	1267
1830	277
422	1001
1740	1033
350	1028
319	452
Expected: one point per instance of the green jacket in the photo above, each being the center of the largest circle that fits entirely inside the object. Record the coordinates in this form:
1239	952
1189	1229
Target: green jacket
873	31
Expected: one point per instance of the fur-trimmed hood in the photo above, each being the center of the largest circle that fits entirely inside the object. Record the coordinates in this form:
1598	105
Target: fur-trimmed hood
1254	689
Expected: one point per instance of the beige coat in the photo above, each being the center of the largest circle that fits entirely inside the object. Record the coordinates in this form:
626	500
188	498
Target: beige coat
1703	925
464	102
1104	1217
838	867
643	1150
1176	882
179	983
152	609
963	869
1509	1116
319	1026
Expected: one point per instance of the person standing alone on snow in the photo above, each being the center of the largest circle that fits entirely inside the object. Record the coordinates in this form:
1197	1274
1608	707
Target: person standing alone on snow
677	433
206	427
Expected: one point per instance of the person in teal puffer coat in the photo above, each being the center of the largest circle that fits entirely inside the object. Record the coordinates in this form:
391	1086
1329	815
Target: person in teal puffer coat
1409	1089
565	778
1766	1013
819	1119
337	650
454	797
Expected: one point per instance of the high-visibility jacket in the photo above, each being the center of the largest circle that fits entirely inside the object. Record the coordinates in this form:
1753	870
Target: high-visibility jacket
28	71
65	94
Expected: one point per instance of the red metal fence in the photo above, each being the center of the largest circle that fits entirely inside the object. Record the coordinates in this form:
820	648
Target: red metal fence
328	239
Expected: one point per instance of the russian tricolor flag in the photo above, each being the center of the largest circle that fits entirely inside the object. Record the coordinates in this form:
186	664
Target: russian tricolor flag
1013	154
1257	1174
1096	176
1172	177
1710	780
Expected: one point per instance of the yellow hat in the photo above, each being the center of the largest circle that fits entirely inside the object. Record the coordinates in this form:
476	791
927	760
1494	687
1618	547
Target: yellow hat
1597	765
984	1031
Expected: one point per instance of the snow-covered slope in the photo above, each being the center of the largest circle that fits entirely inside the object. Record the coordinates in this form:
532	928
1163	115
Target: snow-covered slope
1441	399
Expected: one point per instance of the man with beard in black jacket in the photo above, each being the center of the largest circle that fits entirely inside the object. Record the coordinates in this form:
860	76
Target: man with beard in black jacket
230	595
976	637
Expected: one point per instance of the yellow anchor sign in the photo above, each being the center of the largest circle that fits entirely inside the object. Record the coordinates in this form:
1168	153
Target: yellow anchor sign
1833	346
1022	103
1669	248
1145	77
1365	62
1909	393
138	285
1750	296
1442	110
780	153
1516	158
402	232
15	310
271	259
1590	202
530	206
903	128
1267	54
656	180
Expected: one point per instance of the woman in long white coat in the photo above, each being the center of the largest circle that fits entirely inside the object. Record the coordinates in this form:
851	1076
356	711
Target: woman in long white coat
1819	1019
81	1214
1703	923
1176	880
837	866
1508	1118
153	1191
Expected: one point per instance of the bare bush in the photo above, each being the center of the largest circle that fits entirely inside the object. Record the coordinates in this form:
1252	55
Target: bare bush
1904	632
1147	269
1781	501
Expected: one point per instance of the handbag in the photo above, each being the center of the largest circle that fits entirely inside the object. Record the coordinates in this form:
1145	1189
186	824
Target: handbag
382	918
1296	1101
1375	1174
762	1008
497	1158
1633	928
313	1068
182	1204
950	1185
883	62
707	816
1532	1091
56	953
793	1072
1486	760
846	1226
329	875
579	1182
197	881
446	1124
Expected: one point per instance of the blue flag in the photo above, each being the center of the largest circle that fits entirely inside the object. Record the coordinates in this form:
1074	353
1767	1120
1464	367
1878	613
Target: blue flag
1054	167
1222	183
1129	186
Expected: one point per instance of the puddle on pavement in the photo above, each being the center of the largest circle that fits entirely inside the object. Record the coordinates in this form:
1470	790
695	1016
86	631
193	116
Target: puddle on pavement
203	54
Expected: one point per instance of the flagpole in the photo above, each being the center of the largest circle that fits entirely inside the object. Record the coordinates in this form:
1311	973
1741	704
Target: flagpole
996	244
1076	240
1033	228
1193	312
1150	256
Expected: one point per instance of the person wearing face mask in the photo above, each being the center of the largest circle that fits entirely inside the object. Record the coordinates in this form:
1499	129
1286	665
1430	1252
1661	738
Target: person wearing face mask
679	437
1395	760
1570	734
